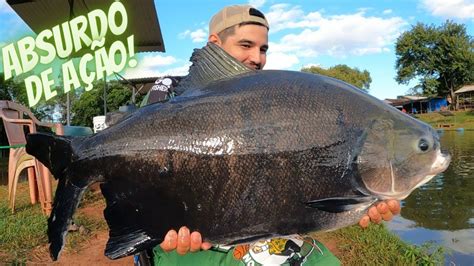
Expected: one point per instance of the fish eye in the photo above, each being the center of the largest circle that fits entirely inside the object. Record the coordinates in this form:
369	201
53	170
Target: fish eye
423	145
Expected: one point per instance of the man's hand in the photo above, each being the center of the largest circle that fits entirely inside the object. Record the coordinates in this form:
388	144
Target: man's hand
184	241
384	210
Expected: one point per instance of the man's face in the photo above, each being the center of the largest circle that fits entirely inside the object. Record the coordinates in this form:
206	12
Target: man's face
249	45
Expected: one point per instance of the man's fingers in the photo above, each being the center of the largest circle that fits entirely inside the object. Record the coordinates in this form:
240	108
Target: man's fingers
196	242
394	206
382	208
184	241
206	245
364	222
387	216
374	215
384	211
170	241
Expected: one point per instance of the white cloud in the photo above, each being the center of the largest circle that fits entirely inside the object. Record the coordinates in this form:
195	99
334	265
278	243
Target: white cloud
342	35
315	33
153	65
281	60
138	72
287	48
151	61
256	3
312	65
461	240
5	8
178	71
197	36
184	34
283	16
462	9
387	11
400	224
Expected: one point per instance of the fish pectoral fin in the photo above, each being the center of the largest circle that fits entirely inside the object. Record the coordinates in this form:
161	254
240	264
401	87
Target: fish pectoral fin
121	245
341	204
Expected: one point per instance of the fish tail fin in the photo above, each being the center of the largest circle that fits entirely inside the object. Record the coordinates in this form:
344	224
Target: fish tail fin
56	153
131	228
66	200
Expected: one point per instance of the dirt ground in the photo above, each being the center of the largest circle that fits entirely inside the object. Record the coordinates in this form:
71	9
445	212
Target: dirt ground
90	253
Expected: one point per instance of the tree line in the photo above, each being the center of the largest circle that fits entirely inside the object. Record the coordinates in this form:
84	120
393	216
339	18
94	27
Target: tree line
84	105
440	58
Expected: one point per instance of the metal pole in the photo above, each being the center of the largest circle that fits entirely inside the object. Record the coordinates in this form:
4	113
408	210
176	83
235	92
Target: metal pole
105	95
68	105
133	95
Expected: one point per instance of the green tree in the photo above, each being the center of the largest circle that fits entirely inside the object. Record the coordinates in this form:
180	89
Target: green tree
14	90
441	58
354	76
6	88
5	94
91	103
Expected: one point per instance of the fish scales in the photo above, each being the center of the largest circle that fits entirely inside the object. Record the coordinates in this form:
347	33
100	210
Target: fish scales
257	162
241	157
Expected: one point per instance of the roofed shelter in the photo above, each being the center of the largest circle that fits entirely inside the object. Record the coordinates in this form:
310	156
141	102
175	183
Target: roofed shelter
142	18
142	21
418	104
144	85
465	97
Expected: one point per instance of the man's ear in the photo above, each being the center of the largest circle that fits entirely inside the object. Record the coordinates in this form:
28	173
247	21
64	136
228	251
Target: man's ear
214	38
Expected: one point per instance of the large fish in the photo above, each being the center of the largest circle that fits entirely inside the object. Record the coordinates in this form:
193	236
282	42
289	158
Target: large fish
241	155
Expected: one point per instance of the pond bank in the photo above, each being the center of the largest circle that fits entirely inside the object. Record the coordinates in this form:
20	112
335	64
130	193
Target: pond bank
450	121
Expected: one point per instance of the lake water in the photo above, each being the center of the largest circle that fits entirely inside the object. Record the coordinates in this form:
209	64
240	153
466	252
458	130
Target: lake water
442	211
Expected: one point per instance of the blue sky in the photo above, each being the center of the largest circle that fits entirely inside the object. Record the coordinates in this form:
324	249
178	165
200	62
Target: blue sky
360	34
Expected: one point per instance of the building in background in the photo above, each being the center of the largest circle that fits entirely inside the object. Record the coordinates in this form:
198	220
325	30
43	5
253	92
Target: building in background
418	104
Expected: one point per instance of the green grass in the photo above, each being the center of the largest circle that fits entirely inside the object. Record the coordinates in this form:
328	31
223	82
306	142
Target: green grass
25	230
461	119
22	231
376	245
76	239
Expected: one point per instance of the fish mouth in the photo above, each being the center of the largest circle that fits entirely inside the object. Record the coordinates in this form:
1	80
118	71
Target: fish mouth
439	165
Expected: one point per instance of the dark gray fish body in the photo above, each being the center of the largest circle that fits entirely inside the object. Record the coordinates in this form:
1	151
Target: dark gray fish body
248	156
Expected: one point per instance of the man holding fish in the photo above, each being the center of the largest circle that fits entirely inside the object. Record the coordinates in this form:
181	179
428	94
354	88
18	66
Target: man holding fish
247	158
242	31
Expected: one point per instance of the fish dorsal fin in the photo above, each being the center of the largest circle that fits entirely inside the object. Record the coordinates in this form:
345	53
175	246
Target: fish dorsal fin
209	64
